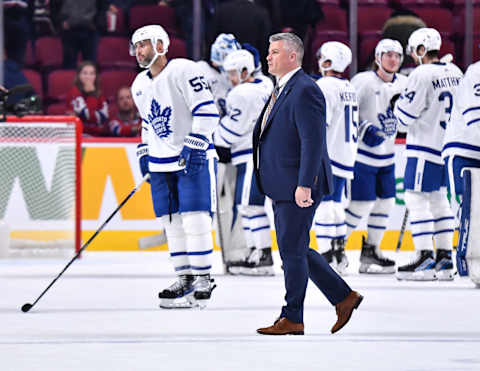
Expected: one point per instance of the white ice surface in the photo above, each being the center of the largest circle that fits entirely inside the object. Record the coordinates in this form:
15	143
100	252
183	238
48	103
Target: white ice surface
103	315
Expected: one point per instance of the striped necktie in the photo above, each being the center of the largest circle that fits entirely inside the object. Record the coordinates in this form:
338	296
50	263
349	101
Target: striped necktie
273	99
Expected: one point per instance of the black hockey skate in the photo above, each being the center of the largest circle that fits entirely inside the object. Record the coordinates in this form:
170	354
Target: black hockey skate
372	260
421	269
444	265
203	287
338	246
259	263
235	267
179	294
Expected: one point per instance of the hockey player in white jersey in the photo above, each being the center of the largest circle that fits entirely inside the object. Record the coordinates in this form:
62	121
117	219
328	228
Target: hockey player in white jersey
461	152
178	118
213	71
424	109
244	104
342	138
372	190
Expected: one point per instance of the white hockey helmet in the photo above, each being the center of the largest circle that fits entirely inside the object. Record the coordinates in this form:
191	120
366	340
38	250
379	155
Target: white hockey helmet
239	60
428	37
224	44
337	53
154	33
388	45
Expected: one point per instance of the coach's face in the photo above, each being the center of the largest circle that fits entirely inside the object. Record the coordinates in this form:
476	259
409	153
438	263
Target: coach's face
280	60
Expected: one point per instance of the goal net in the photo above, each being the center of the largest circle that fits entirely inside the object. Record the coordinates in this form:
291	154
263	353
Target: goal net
40	159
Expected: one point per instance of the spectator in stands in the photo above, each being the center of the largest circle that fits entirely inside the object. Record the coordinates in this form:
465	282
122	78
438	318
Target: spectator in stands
248	21
13	76
125	121
86	101
78	24
17	16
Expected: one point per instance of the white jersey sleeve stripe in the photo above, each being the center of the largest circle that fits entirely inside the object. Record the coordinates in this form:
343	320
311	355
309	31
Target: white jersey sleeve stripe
407	114
197	107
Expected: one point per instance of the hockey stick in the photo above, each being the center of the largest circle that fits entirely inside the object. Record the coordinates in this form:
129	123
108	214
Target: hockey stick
152	241
402	230
26	307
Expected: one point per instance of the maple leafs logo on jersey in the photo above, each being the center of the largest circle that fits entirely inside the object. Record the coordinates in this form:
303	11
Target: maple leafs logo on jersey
160	120
388	122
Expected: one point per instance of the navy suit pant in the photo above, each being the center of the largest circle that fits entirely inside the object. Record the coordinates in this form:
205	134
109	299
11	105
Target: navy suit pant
292	224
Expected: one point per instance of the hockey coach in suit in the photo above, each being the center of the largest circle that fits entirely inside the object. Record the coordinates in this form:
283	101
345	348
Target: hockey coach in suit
293	169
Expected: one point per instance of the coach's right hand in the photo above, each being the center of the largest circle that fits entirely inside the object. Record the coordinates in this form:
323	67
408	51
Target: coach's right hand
142	156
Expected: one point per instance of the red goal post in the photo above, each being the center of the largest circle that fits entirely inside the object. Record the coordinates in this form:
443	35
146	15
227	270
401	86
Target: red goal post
40	185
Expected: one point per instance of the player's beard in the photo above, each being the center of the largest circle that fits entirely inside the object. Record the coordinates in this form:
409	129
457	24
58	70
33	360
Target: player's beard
146	61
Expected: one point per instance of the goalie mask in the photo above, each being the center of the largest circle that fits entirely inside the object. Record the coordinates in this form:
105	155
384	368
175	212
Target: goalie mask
154	33
239	61
223	46
386	46
428	37
339	55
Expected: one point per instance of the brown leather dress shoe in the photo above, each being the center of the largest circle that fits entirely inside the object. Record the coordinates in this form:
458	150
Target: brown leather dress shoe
282	327
345	309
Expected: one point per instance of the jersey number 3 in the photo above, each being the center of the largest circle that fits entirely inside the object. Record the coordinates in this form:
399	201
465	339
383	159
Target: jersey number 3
448	109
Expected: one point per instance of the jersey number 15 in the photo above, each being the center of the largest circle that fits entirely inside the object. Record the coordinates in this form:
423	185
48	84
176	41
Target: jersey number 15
351	121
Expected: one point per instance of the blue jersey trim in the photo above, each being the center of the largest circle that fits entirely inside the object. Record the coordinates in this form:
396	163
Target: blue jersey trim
257	216
182	267
401	122
462	145
206	252
197	107
470	109
424	149
260	228
375	156
173	254
472	122
230	131
226	141
340	166
241	153
352	214
200	268
443	231
407	114
376	226
163	160
330	225
379	215
206	115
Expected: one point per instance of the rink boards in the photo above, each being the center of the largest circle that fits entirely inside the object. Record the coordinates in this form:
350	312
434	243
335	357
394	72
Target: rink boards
110	171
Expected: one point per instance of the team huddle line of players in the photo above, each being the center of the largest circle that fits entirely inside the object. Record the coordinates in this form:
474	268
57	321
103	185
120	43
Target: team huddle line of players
189	109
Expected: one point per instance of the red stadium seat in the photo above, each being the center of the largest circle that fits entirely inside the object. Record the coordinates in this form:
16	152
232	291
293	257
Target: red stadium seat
56	109
366	49
29	55
35	79
59	83
372	17
439	18
111	81
112	52
142	15
49	52
335	19
177	48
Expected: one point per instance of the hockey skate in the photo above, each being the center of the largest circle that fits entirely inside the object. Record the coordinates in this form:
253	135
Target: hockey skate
203	287
179	295
372	260
444	265
235	267
341	260
259	263
421	269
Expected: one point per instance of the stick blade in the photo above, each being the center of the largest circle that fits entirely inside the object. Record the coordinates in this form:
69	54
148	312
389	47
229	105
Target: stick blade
26	307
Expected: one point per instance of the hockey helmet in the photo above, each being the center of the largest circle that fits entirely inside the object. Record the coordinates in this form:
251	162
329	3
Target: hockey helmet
223	45
388	45
154	33
239	60
337	53
428	37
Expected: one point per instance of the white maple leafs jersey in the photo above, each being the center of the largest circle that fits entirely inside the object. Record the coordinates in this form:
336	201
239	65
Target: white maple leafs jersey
173	104
244	105
342	124
374	97
219	84
462	136
425	108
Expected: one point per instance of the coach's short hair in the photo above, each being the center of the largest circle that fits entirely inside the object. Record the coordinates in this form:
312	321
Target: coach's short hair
292	43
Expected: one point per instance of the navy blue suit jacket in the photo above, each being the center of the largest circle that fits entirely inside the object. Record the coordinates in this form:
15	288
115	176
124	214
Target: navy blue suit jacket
292	150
